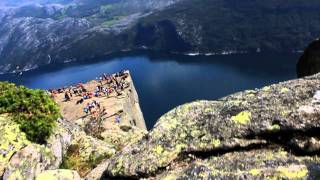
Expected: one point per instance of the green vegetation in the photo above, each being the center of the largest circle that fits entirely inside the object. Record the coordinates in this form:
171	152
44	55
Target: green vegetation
33	110
74	161
112	21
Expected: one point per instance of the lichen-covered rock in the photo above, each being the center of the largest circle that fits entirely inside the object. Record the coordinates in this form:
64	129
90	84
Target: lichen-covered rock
275	114
28	162
60	174
60	140
252	164
92	147
11	141
85	152
121	136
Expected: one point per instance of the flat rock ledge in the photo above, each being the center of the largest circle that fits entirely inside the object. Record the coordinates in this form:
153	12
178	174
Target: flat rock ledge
271	132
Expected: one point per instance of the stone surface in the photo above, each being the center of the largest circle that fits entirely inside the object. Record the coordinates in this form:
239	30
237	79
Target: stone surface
239	124
85	152
309	63
125	105
121	136
11	141
60	174
254	164
60	140
28	162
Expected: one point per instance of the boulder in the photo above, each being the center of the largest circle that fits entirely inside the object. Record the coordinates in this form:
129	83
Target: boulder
60	140
267	163
59	174
242	125
28	162
309	62
11	141
85	152
121	136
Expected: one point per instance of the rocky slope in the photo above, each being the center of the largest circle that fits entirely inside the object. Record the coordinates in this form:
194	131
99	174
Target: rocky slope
256	134
39	34
309	63
75	144
68	148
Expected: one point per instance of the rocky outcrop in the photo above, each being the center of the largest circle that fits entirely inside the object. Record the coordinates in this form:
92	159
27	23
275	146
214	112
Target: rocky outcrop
11	141
28	162
21	158
263	133
60	174
309	62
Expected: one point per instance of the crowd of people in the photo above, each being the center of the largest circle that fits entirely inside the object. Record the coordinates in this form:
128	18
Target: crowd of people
107	84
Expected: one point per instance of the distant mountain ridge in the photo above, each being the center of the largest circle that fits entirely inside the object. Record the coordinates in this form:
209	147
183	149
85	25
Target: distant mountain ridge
68	30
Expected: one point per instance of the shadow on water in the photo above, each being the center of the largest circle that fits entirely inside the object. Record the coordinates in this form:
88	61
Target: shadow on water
164	81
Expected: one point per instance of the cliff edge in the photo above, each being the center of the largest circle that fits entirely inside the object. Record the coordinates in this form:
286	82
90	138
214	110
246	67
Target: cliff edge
264	133
267	133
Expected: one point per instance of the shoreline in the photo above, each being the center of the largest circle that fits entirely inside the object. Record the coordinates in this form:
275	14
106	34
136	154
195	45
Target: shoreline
123	53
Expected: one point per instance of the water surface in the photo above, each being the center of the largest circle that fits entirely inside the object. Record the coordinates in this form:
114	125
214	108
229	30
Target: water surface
165	81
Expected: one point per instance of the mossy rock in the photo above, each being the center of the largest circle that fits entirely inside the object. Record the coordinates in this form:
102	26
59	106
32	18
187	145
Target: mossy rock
122	136
11	141
252	164
60	174
255	118
29	161
85	152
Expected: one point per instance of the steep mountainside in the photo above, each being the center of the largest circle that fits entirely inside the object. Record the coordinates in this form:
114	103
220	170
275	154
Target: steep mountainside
39	34
232	25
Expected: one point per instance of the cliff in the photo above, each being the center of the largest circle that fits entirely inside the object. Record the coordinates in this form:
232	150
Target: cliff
264	133
77	141
256	134
124	105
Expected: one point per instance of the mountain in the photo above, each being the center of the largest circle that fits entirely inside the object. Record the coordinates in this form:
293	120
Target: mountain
37	34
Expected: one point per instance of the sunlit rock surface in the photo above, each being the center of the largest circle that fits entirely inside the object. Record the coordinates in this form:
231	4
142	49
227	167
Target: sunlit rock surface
253	134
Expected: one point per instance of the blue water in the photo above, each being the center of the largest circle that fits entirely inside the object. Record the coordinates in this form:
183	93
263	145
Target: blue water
165	81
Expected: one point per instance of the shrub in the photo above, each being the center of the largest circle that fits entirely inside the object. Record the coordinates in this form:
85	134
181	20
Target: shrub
34	111
74	161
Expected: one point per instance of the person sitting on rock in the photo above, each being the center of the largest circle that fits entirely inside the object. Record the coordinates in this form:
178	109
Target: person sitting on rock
80	101
67	96
118	119
86	110
104	111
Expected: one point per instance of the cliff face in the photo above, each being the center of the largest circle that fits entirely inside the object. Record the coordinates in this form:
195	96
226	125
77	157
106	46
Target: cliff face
255	134
264	133
309	63
78	143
